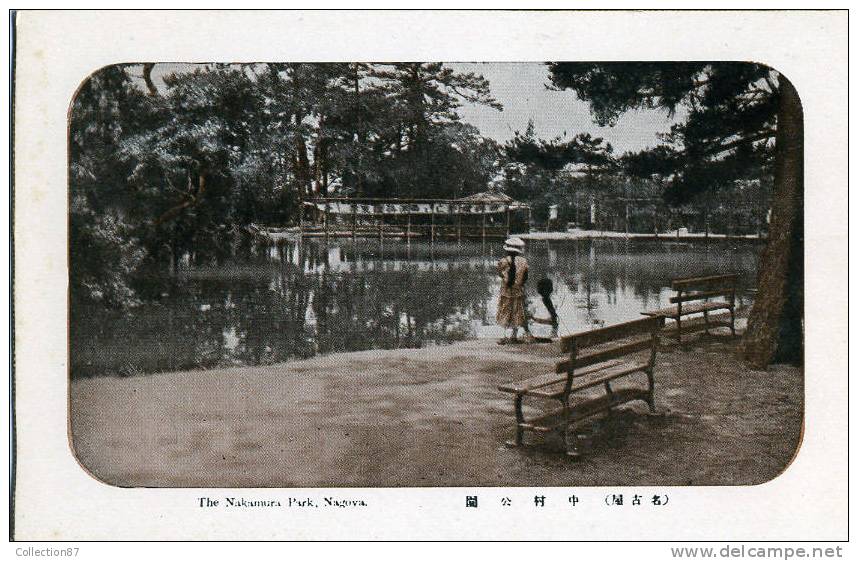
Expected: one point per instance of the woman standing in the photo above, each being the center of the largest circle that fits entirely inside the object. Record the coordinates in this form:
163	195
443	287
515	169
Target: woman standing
512	270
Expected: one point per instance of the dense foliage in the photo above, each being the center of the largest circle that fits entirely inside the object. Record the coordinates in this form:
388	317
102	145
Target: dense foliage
728	131
744	122
172	163
164	171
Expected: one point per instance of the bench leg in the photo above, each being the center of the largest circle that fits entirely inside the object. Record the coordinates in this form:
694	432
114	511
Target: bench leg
570	437
733	321
519	418
650	375
678	329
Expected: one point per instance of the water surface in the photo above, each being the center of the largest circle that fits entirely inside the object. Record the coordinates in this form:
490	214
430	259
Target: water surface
280	302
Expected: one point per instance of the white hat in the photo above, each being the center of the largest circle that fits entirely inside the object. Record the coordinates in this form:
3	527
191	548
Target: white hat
514	245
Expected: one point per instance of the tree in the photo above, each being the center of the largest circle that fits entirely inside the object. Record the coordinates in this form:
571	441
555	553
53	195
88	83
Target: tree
740	117
423	98
376	130
103	247
545	172
167	167
183	166
354	116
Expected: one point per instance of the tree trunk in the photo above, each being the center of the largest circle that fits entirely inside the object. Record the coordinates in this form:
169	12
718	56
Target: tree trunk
317	167
320	161
190	200
775	326
147	77
359	136
320	157
302	161
305	175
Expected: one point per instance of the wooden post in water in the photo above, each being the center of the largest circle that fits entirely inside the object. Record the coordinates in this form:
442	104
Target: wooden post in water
300	217
484	223
381	224
459	223
627	218
326	221
655	220
354	221
451	213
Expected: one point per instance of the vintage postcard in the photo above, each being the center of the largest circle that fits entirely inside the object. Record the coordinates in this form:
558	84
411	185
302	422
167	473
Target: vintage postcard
479	276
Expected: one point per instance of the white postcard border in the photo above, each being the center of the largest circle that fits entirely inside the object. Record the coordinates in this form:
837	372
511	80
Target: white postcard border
56	499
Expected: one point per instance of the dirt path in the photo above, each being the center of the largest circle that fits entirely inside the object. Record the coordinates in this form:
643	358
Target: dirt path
429	417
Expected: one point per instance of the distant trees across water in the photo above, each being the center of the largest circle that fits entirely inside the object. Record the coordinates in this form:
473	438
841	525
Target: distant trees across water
160	168
168	160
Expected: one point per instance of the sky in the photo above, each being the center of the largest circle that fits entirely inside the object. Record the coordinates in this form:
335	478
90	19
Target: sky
520	88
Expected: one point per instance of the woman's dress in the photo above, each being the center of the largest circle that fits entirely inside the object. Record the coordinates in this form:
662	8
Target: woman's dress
511	309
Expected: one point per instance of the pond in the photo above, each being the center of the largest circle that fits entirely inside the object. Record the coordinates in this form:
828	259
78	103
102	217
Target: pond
287	301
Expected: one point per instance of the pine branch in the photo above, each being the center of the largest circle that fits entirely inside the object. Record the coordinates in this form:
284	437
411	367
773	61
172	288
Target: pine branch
712	151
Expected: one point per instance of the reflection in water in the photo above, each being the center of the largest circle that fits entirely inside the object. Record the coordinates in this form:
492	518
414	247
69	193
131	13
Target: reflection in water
293	300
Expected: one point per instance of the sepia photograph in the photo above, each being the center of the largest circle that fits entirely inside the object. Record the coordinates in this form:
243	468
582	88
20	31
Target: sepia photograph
435	274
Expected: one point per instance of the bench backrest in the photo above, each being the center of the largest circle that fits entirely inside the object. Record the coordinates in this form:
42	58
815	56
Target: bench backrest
700	288
636	336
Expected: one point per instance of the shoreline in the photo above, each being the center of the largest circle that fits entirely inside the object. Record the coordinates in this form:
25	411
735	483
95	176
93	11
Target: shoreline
666	236
429	417
487	336
294	234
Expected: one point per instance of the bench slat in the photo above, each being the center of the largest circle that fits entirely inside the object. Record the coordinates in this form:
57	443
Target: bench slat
525	386
686	297
605	334
615	352
606	375
695	326
671	311
712	280
553	419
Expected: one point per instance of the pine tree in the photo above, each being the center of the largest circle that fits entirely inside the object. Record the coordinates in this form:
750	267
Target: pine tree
741	118
423	98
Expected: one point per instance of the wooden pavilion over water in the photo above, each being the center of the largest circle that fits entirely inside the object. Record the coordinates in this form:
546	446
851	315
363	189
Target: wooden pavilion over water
486	215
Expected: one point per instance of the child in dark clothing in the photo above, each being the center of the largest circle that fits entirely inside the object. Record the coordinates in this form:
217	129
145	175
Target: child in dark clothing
545	287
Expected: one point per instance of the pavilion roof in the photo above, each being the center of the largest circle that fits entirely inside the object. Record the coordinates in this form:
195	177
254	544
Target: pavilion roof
487	197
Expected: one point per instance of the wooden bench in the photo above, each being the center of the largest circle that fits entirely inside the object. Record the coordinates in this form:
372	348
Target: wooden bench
693	296
595	358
